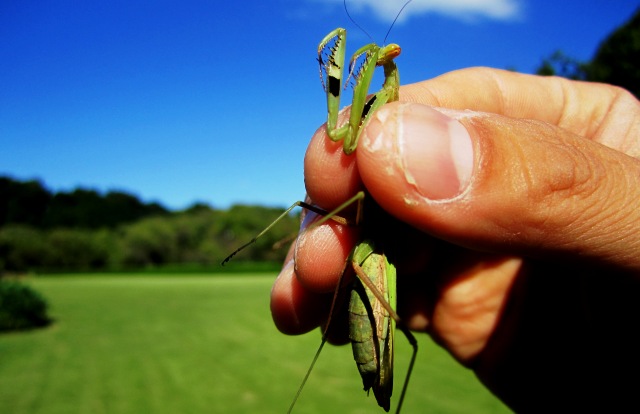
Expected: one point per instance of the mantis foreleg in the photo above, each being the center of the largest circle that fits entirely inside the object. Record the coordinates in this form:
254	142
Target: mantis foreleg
331	53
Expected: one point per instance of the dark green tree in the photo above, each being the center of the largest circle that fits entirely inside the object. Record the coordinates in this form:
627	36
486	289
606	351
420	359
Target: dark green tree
559	64
22	248
83	208
23	202
616	62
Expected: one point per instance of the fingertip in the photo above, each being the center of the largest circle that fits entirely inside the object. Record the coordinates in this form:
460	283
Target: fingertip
321	253
331	176
294	309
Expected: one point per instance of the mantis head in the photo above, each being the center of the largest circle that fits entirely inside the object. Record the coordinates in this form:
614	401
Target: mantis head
387	53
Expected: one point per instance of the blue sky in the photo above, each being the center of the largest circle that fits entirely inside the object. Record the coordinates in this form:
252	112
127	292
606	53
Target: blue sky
215	101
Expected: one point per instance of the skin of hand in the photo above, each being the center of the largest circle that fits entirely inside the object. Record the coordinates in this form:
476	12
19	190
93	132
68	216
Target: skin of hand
515	207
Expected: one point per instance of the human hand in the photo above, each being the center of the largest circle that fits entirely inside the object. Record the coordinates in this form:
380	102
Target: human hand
521	254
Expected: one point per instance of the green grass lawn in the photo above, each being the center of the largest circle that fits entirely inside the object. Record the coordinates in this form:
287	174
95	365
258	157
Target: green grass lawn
189	344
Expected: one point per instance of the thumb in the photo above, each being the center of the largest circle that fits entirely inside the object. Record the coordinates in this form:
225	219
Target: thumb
500	184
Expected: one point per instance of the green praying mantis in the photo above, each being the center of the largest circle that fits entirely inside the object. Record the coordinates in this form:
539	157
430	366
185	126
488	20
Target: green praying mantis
372	303
331	53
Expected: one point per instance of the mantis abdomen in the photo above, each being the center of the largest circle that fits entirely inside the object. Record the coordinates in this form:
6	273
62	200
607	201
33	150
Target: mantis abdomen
371	328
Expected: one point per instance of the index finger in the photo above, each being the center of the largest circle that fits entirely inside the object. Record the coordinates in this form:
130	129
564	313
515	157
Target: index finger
598	112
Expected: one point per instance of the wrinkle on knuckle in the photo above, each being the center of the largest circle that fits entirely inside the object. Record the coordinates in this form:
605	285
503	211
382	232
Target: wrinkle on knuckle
555	183
577	195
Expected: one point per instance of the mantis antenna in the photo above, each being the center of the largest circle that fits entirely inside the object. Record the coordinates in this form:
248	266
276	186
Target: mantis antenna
367	33
394	21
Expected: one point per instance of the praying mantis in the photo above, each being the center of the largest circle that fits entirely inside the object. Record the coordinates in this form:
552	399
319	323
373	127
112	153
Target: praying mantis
372	316
373	319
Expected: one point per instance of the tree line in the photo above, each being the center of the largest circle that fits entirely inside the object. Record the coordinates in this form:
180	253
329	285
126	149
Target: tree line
31	204
81	230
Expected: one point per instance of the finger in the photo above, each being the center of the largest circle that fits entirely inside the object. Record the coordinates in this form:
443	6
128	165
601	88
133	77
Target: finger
303	291
321	253
598	112
295	309
507	185
330	176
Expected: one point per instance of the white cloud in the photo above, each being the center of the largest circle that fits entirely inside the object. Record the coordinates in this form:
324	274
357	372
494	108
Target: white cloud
386	10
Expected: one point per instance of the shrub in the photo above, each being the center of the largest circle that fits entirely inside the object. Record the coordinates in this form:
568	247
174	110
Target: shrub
21	307
22	248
